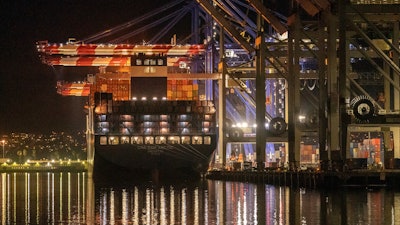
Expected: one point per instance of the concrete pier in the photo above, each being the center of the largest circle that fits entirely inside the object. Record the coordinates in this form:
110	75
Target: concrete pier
313	179
72	166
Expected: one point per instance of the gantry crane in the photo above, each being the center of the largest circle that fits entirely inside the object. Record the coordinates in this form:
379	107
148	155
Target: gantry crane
72	53
328	37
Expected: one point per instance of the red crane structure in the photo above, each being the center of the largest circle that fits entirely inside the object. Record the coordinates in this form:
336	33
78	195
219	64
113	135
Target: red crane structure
80	54
118	56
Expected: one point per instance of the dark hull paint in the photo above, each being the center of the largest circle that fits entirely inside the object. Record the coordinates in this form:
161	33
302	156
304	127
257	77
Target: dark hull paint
166	160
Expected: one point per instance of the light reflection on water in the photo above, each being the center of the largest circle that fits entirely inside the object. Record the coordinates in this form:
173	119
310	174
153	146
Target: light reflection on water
73	198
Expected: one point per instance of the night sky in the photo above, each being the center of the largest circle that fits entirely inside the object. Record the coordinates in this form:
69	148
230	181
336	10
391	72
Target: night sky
28	99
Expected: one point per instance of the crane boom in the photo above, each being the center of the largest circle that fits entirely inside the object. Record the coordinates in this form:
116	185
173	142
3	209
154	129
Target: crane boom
86	61
57	60
73	89
79	49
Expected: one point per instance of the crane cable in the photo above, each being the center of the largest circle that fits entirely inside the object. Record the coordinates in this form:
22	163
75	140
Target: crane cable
130	23
140	30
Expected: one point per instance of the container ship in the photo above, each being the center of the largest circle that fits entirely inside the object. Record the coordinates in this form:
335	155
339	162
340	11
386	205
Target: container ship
146	124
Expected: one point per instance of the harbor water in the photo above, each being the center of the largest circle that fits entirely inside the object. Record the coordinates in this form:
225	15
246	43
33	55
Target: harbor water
74	198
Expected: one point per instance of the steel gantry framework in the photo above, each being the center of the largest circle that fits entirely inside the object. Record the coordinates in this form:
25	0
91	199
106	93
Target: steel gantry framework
307	57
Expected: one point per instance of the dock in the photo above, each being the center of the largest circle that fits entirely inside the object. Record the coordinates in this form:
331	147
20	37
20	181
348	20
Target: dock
45	166
313	179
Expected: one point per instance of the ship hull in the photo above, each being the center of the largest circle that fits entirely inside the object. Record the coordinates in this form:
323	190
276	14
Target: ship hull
161	138
161	160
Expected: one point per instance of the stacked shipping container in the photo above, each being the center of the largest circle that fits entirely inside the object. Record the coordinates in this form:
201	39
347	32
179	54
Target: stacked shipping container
182	90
